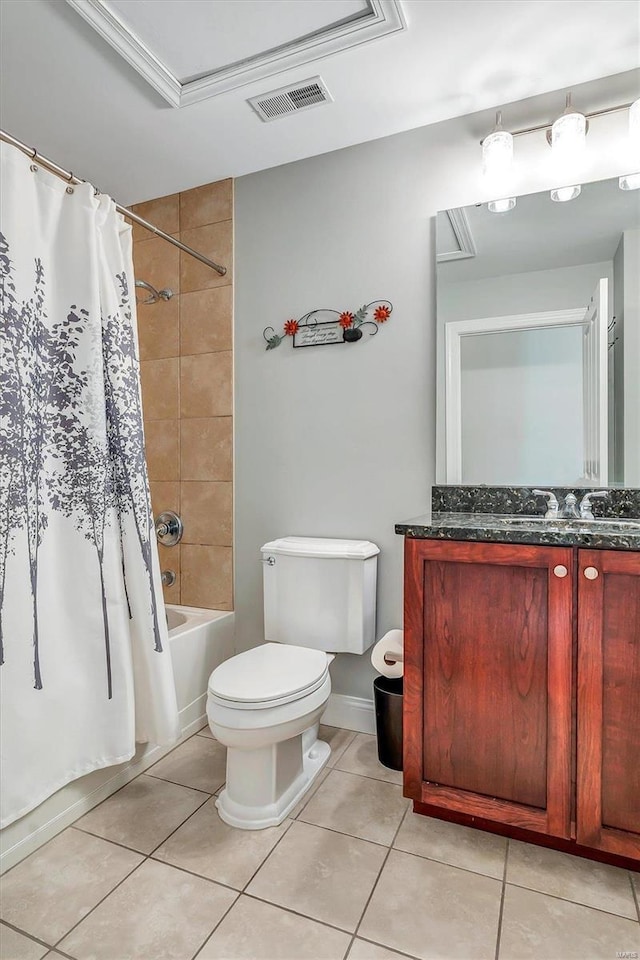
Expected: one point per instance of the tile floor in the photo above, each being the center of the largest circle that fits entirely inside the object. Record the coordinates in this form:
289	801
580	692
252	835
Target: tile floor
152	873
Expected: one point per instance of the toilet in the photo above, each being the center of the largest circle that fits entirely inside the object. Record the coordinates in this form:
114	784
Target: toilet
265	704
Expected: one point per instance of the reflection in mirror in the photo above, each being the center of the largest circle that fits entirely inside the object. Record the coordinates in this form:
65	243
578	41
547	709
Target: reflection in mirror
539	341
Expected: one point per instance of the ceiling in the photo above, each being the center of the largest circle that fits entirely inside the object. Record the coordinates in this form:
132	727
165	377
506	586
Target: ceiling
542	235
69	92
209	36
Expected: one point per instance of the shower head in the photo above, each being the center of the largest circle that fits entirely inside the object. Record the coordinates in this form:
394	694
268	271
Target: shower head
155	294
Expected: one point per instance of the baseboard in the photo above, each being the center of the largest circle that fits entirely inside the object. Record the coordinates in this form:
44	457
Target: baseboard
77	808
351	713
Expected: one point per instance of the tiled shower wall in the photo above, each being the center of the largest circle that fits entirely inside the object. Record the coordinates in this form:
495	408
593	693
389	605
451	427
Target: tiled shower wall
186	369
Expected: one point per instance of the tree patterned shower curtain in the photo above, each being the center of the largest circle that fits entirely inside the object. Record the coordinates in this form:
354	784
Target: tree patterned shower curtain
85	669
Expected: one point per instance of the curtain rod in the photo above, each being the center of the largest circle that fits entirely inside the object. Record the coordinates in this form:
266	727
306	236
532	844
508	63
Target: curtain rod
67	175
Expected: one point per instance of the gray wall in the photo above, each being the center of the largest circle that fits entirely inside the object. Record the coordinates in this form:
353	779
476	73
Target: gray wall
333	441
631	279
560	289
340	440
522	415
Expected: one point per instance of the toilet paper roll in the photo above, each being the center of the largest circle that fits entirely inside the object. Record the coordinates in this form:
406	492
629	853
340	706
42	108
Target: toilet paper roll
387	655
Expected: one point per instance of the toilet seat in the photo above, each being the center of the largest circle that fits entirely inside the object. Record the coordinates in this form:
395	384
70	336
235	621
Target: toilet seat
269	675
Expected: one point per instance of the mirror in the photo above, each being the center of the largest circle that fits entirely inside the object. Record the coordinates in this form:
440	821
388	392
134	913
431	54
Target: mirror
539	341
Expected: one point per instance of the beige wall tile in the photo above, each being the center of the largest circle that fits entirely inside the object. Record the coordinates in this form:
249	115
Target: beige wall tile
163	213
170	559
160	389
214	241
206	318
157	262
207	510
159	329
205	385
207	577
207	204
205	449
186	372
165	495
161	438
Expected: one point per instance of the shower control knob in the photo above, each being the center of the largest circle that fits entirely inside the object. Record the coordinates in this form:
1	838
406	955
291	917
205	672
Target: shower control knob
169	528
168	578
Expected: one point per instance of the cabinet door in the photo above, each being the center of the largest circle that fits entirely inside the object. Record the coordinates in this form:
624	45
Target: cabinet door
608	745
487	702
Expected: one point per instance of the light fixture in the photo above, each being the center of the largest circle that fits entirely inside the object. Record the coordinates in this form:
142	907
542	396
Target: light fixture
562	194
568	135
567	138
502	206
497	153
631	181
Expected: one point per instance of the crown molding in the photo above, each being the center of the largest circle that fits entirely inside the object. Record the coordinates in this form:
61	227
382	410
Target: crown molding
462	231
384	17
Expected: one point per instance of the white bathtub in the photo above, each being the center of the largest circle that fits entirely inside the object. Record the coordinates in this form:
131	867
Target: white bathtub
199	641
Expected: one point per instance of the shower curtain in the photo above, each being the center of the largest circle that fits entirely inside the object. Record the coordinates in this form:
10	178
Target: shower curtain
85	666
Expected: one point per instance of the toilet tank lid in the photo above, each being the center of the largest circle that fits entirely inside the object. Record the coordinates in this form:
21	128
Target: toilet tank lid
324	547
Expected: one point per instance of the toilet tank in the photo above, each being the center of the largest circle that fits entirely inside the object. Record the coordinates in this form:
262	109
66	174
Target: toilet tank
320	593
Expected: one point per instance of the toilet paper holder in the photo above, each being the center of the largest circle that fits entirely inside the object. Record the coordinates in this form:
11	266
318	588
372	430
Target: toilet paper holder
396	658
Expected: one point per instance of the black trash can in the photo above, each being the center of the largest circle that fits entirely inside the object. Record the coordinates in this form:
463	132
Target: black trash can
387	694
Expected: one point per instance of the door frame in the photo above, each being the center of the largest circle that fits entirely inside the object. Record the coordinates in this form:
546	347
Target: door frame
455	330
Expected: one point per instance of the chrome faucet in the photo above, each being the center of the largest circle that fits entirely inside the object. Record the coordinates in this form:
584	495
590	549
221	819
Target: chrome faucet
586	513
552	503
569	509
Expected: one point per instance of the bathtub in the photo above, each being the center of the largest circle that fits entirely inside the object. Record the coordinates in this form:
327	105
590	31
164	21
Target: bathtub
199	640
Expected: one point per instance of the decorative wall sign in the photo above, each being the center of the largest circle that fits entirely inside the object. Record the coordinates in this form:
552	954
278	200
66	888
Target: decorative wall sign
322	327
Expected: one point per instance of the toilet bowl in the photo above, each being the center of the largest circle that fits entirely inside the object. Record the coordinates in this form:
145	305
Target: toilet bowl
265	706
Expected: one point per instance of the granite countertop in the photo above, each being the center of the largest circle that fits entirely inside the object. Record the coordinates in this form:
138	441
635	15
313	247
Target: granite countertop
501	528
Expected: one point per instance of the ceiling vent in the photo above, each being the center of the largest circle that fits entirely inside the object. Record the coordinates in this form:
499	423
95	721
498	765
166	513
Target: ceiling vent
291	99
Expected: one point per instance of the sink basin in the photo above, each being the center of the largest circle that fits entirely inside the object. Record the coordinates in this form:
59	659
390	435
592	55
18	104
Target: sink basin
600	525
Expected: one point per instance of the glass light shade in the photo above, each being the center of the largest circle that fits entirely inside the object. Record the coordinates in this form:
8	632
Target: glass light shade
497	155
562	194
630	182
502	206
568	137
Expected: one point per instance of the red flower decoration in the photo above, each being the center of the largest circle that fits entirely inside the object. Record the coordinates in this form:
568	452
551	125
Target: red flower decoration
381	314
346	319
291	327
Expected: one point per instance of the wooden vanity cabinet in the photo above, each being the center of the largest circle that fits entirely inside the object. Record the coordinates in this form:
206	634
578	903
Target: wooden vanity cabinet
608	702
495	636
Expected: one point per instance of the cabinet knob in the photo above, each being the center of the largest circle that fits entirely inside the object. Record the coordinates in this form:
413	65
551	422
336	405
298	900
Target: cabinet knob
591	573
560	570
